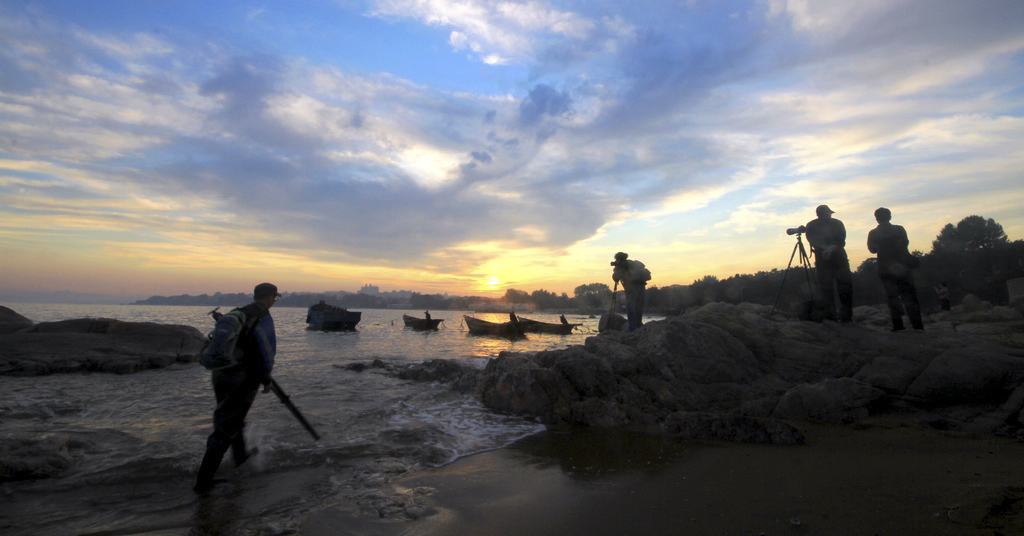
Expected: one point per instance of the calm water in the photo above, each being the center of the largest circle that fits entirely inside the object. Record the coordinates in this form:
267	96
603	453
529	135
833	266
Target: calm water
135	441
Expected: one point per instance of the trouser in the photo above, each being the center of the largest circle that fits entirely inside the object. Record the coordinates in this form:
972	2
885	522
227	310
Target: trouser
235	393
834	277
635	307
899	288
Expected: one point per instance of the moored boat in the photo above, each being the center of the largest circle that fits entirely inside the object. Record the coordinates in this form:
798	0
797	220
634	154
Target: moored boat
324	316
483	327
421	324
536	326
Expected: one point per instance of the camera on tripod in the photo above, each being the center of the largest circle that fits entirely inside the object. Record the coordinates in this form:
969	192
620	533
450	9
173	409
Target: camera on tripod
796	230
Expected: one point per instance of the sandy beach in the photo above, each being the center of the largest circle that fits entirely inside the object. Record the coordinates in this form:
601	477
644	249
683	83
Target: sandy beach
885	476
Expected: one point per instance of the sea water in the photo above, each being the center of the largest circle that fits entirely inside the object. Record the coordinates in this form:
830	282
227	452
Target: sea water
135	441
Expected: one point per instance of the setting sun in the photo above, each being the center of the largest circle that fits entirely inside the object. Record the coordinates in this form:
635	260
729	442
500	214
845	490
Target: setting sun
492	282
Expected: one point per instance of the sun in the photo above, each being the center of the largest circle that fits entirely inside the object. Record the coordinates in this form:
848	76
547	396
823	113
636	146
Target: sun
492	282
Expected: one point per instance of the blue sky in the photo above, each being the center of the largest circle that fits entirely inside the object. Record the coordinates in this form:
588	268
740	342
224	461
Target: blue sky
472	146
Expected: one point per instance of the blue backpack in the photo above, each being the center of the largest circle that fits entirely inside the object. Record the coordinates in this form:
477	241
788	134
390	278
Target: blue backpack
221	350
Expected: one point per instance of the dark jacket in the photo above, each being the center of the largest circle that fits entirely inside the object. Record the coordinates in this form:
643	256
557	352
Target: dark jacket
890	243
827	236
259	343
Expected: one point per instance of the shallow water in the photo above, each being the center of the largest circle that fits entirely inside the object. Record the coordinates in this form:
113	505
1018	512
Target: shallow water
135	441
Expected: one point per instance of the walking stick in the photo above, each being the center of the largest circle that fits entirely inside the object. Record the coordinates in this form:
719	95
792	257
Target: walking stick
291	407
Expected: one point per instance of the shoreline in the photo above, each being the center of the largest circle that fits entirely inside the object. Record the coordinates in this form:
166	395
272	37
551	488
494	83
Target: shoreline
886	475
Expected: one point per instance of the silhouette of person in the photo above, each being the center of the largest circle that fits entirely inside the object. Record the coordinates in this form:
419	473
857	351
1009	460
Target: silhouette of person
943	292
634	277
827	237
235	387
895	263
563	320
427	314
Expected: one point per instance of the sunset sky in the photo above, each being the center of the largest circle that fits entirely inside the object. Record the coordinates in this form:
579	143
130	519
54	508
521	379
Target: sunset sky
157	147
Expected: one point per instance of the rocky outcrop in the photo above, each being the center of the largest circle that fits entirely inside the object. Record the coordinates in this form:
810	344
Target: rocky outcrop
96	344
10	321
735	371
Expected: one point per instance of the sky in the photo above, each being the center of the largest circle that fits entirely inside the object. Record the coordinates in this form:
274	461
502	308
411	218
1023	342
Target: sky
472	146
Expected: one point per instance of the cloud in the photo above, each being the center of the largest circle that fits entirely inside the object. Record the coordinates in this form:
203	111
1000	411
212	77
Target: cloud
705	117
543	100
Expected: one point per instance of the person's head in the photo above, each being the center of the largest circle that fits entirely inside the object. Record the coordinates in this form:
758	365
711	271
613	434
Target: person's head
265	293
620	258
883	215
824	212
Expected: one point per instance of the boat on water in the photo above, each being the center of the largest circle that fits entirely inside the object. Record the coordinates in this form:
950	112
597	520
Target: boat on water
503	329
536	326
421	324
324	316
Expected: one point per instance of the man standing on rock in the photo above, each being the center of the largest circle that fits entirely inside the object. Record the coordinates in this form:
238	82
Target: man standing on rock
235	387
895	263
634	277
827	237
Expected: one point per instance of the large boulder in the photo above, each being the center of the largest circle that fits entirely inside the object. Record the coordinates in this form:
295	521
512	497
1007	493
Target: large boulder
10	321
697	374
96	344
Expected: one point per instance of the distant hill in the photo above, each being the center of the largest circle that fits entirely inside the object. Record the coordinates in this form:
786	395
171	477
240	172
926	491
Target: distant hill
65	297
291	299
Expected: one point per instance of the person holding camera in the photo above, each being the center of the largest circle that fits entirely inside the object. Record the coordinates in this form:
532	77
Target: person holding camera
634	277
827	237
895	263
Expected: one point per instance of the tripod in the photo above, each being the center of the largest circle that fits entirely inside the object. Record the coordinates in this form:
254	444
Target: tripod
805	262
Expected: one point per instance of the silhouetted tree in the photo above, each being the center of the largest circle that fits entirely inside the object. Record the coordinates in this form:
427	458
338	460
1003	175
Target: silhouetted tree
973	233
516	296
593	295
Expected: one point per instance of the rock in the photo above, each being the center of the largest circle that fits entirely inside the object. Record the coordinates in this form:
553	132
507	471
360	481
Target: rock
973	304
995	314
724	371
11	321
967	375
835	400
96	344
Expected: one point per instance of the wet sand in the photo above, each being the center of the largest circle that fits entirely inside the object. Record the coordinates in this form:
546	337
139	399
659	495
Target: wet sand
888	476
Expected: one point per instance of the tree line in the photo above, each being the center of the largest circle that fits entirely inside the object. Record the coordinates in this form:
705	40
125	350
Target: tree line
972	257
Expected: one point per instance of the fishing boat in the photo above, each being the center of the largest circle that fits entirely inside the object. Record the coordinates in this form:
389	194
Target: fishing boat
324	316
483	327
536	326
421	324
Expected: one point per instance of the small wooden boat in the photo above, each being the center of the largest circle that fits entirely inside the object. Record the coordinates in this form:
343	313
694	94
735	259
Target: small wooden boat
503	329
328	317
536	326
421	324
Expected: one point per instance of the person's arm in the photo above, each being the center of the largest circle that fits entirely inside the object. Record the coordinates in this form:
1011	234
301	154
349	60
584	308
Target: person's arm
266	343
872	241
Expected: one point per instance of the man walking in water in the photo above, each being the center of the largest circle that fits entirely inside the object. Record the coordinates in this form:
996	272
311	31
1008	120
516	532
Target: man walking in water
634	277
895	263
235	387
827	237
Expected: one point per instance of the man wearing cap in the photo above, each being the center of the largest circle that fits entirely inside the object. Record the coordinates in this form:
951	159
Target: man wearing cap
634	277
895	263
827	237
235	387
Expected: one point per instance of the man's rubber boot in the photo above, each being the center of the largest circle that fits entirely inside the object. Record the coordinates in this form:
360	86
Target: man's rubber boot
211	461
